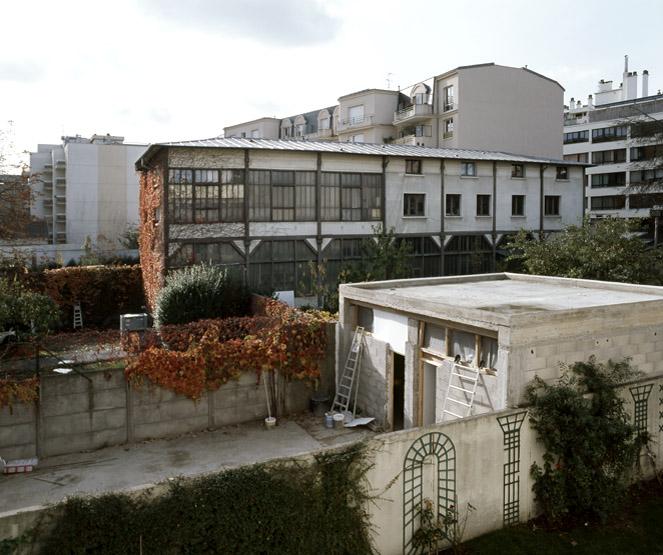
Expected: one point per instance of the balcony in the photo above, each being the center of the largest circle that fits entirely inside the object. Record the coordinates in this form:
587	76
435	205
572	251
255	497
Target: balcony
60	163
409	140
354	124
575	121
319	134
414	113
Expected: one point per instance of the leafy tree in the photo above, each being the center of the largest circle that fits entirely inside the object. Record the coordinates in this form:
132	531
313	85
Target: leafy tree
25	311
383	256
591	448
607	249
200	291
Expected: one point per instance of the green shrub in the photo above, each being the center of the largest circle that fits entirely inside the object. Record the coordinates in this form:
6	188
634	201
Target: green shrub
198	292
285	508
25	311
591	448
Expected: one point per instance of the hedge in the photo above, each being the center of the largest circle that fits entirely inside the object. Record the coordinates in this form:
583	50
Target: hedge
104	292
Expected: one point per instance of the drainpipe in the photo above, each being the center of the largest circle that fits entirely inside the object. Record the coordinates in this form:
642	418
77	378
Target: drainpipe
542	169
494	230
247	234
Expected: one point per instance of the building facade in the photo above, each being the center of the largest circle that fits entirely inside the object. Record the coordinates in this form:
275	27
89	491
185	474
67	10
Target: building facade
485	106
270	209
85	188
500	329
620	132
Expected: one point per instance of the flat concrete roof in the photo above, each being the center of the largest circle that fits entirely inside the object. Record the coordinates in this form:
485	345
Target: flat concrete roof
498	297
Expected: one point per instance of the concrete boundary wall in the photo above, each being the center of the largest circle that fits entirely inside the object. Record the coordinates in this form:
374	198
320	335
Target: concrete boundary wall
483	460
74	414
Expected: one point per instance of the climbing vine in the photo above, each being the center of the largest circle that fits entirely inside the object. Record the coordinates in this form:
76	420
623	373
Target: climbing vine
204	355
14	391
591	447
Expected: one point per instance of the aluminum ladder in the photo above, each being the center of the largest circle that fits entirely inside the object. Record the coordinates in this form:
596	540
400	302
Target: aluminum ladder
462	375
78	316
350	372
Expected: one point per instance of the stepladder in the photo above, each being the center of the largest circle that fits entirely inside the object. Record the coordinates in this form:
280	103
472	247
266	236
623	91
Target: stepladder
78	316
348	385
461	390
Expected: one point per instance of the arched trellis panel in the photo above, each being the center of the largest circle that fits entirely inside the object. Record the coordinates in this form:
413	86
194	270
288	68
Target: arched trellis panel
439	446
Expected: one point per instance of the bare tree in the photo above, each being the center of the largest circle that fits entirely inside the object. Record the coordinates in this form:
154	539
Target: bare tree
15	192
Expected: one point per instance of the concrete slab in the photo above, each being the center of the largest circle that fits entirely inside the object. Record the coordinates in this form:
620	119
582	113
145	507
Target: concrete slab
128	467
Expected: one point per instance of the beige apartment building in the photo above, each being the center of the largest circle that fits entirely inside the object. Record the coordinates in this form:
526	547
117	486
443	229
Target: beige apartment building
481	107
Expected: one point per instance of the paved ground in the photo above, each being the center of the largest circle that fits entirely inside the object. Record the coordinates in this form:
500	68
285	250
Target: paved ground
131	466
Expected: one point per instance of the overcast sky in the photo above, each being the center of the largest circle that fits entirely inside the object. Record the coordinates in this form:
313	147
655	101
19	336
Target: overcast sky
155	70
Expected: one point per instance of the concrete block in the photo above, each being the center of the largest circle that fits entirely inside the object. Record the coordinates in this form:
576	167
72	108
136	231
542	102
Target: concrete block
68	424
152	395
25	451
176	409
20	434
113	436
56	384
110	399
61	404
108	379
108	419
653	356
20	414
71	443
165	429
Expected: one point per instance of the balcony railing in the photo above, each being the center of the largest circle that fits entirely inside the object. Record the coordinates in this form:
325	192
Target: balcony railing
356	123
412	113
576	121
410	140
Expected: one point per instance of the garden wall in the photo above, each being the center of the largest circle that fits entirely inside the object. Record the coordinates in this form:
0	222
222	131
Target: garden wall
75	414
483	460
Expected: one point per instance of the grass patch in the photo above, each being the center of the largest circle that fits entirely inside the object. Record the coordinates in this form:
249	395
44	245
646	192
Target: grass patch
636	530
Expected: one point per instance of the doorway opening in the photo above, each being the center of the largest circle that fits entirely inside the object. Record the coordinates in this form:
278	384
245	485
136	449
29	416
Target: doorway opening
398	392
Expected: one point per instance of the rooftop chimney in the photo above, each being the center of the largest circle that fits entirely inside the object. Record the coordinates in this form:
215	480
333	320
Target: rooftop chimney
590	101
645	83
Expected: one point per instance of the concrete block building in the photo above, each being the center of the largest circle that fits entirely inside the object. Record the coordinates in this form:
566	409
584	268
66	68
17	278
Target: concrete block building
506	327
268	209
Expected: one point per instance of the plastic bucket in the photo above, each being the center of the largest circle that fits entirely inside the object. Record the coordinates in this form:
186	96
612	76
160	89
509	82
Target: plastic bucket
338	420
270	422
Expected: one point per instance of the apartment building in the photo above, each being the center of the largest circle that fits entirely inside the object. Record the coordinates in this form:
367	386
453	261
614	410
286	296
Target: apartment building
620	132
267	209
85	188
484	107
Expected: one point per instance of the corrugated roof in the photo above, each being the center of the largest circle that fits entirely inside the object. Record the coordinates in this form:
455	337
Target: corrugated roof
369	149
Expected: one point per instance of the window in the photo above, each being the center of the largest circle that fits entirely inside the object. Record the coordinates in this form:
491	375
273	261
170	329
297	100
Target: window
643	153
356	115
217	253
551	205
414	204
324	124
351	196
609	179
286	131
468	254
421	98
609	156
423	131
468	169
576	137
180	196
300	129
231	202
283	196
282	265
609	134
483	205
424	256
517	205
452	205
645	201
448	128
579	157
448	94
517	170
562	172
413	167
612	202
653	176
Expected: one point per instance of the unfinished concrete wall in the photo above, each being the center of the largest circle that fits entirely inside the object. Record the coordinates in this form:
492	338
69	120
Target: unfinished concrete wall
375	380
540	346
75	414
